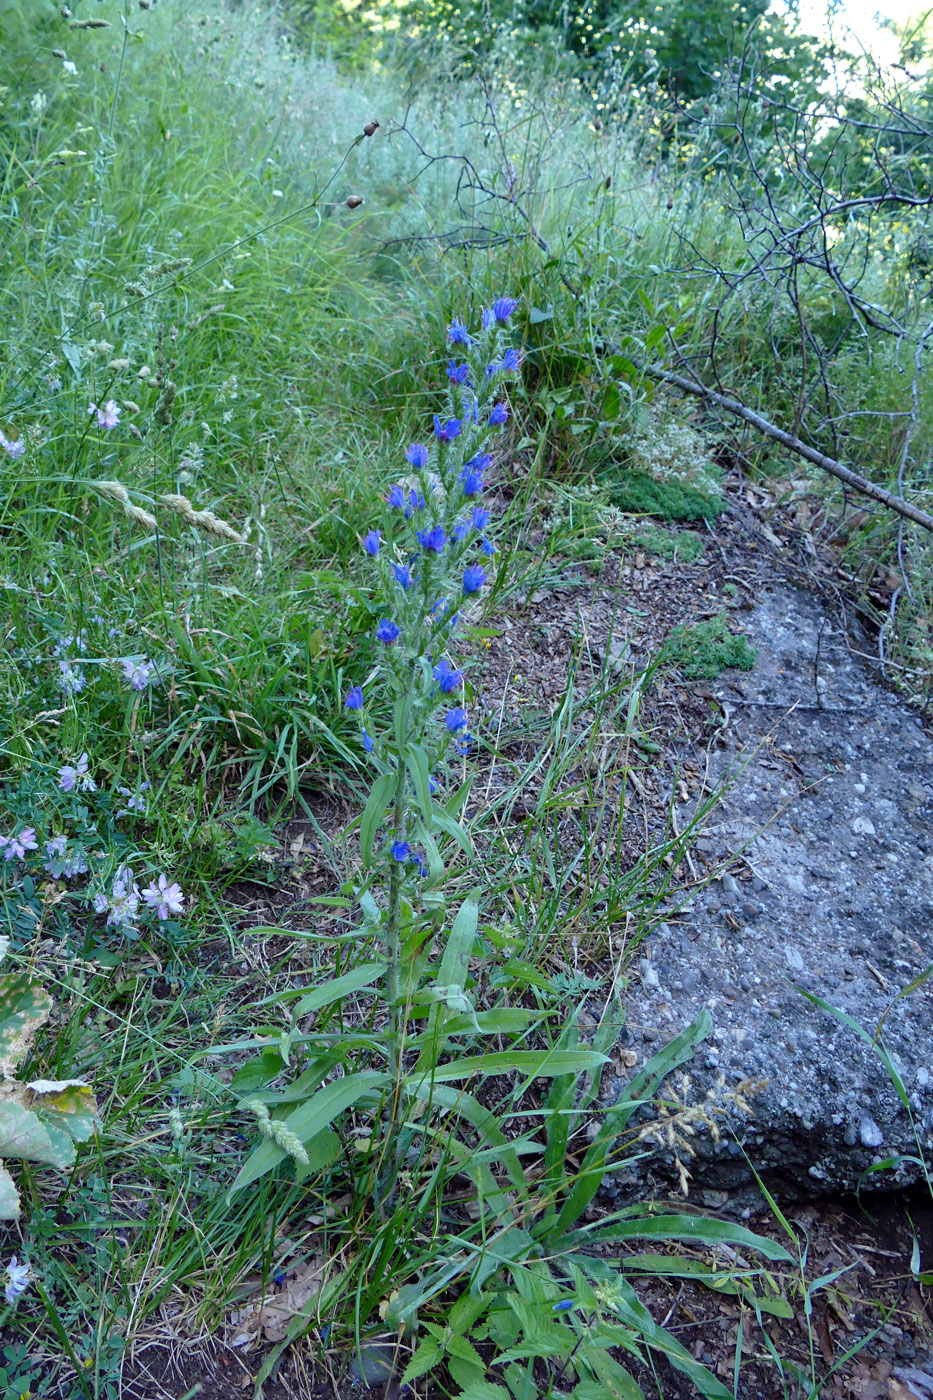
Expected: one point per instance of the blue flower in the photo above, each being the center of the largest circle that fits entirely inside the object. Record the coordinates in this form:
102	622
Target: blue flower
415	502
464	743
479	461
564	1305
503	308
498	416
402	574
457	374
432	541
447	677
397	497
461	530
371	543
354	700
488	547
388	632
492	370
473	578
446	432
480	518
510	360
471	481
417	455
456	719
457	334
365	740
421	866
400	851
432	785
489	318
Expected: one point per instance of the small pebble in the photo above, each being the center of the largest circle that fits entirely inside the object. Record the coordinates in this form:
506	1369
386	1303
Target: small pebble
869	1133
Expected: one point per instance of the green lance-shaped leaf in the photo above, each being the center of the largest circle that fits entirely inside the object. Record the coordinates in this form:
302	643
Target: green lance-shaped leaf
363	976
307	1121
374	811
24	1007
454	970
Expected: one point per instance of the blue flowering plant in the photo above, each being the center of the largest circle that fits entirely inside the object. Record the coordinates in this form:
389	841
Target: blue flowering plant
431	561
431	554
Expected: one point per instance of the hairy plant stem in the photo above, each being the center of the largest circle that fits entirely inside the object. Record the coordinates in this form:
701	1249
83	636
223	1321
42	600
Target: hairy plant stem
393	992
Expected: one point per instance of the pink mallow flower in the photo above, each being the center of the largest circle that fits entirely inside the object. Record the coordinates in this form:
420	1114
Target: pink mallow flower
108	416
15	847
164	898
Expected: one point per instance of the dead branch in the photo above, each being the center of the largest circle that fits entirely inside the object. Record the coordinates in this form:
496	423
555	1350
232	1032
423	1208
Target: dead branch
792	443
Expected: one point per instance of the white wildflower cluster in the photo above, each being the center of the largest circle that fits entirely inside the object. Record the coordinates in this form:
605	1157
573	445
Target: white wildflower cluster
15	847
668	449
63	858
76	775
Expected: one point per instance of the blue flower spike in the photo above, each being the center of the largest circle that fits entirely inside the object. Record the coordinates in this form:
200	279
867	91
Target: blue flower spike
417	455
473	578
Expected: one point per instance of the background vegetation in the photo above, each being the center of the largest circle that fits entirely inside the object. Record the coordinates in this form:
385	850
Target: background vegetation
203	223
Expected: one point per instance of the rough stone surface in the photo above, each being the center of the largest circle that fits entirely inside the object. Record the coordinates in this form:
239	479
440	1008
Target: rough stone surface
823	847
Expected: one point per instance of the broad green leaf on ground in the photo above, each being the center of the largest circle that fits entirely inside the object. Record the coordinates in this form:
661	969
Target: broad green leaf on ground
24	1135
9	1196
71	1101
24	1007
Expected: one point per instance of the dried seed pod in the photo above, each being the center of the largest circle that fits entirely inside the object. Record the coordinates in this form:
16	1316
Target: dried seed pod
354	201
370	128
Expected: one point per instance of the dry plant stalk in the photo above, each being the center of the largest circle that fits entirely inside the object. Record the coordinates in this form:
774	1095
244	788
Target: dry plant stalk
678	1120
202	519
116	491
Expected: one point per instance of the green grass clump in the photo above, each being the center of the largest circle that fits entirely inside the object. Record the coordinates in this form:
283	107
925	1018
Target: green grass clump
682	546
640	493
703	649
